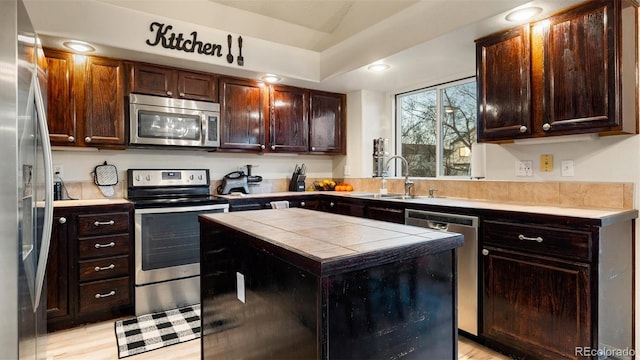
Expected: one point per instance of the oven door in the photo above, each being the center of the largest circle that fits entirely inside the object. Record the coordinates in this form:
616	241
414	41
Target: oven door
167	242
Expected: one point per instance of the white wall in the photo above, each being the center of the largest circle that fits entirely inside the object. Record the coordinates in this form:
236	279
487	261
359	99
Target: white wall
78	165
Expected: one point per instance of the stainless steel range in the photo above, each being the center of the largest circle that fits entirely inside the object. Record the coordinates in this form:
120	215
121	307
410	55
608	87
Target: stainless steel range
167	234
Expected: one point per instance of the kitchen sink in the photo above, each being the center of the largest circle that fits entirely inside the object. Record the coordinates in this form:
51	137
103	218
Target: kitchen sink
384	196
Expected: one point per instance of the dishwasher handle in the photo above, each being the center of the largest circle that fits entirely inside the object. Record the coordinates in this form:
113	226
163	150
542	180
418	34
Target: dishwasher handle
437	225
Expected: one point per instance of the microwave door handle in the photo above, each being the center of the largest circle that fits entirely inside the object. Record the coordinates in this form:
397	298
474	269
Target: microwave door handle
204	127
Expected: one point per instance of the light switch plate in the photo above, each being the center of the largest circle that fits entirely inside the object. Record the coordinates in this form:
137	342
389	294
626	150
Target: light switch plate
567	168
546	163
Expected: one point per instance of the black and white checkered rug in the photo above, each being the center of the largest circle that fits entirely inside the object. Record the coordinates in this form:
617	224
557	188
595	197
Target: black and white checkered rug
153	331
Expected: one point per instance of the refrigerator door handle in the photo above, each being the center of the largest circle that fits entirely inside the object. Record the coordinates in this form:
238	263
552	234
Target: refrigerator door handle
48	193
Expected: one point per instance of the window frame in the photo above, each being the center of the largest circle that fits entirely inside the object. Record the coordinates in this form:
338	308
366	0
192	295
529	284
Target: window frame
439	146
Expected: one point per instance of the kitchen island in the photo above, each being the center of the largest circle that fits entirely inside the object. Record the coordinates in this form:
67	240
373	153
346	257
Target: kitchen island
301	284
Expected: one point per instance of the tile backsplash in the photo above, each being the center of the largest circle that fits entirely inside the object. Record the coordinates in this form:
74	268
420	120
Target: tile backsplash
563	194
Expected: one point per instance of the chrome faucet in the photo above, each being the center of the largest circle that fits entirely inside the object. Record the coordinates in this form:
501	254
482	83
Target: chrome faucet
408	184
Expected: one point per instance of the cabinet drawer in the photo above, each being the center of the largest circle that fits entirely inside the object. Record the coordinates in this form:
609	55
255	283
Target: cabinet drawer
98	269
103	224
102	295
563	243
103	246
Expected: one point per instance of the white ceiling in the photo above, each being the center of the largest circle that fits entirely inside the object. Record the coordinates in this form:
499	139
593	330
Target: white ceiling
425	41
339	19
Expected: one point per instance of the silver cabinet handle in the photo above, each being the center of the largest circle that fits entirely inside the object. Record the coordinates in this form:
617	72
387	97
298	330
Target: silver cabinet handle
332	204
537	239
262	147
62	220
302	203
523	129
110	267
181	94
273	147
313	148
546	126
100	296
169	93
87	139
99	246
485	252
71	138
98	223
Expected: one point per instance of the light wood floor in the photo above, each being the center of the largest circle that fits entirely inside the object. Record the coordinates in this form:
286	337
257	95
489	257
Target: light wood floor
98	342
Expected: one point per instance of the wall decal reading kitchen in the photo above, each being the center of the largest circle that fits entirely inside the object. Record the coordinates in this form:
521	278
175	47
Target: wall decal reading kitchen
170	40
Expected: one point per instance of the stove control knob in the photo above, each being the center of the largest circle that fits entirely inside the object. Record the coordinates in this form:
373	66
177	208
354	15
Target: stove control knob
148	177
199	177
191	177
138	178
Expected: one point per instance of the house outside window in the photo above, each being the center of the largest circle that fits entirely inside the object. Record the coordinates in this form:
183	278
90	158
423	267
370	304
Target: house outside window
436	127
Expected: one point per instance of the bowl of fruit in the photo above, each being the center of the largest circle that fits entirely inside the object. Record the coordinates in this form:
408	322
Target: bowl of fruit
324	185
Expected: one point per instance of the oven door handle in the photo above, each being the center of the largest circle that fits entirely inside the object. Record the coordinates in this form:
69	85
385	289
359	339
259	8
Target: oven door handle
169	209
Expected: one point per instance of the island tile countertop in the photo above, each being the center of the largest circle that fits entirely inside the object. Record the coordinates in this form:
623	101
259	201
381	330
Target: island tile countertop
335	241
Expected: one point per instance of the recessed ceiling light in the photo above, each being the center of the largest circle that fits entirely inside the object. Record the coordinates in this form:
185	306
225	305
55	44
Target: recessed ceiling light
523	14
270	78
79	46
379	67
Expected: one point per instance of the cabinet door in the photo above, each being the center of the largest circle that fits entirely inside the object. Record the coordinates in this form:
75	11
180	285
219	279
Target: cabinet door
580	70
289	119
58	269
197	86
504	90
538	305
152	80
244	104
104	122
61	118
327	122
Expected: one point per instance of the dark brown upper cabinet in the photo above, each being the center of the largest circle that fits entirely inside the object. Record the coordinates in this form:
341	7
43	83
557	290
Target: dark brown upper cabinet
61	118
574	72
85	97
288	119
243	107
102	103
170	82
327	125
504	86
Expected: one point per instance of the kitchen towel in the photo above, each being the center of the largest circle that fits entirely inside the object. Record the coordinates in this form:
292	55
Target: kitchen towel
279	204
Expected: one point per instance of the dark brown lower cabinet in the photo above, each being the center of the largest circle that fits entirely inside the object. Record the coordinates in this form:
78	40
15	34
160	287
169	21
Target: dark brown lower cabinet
557	287
90	265
57	272
537	304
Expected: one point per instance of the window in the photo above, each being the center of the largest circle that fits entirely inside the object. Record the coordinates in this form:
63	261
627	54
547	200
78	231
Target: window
436	127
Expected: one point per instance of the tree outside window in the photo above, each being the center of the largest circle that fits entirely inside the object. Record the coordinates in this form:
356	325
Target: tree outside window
436	128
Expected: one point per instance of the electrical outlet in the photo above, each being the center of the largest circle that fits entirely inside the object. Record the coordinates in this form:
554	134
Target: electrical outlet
58	171
524	168
567	168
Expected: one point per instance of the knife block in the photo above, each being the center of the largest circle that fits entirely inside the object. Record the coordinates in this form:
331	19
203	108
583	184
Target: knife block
297	182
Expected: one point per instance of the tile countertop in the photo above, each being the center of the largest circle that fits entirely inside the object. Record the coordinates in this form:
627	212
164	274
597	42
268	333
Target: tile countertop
89	202
606	216
325	238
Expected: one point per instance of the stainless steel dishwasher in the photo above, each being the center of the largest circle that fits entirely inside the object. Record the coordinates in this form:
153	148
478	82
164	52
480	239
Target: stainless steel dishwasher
467	259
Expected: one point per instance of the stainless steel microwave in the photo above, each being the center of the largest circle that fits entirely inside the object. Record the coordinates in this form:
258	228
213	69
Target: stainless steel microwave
157	120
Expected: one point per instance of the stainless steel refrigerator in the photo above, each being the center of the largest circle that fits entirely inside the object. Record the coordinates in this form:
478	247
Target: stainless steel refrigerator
26	203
